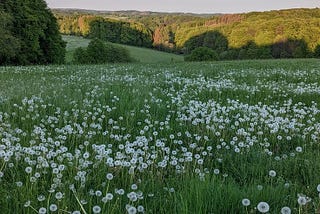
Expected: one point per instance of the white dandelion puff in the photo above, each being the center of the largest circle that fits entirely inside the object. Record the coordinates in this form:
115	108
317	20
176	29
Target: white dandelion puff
245	202
263	207
285	210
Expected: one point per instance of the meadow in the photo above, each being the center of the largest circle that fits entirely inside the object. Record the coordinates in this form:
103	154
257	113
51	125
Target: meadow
220	137
142	55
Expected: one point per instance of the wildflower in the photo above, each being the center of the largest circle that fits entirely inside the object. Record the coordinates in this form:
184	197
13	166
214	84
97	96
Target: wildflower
286	185
42	210
98	193
59	195
120	191
318	187
96	209
299	149
109	176
140	209
263	207
53	207
285	210
216	171
302	200
27	204
245	202
272	173
132	210
19	184
109	196
134	187
28	169
41	198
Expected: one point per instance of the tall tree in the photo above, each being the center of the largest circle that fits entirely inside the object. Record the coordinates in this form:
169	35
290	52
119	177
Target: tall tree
8	43
36	29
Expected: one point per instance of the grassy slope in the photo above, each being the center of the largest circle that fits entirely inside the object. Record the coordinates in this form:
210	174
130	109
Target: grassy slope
140	54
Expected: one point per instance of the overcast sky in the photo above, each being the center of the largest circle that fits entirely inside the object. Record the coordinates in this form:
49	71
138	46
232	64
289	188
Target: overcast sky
196	6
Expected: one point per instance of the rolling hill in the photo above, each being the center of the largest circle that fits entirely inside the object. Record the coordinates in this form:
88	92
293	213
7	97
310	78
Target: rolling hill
143	55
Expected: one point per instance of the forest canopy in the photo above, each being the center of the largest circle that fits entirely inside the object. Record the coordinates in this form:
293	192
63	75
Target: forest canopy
29	34
272	34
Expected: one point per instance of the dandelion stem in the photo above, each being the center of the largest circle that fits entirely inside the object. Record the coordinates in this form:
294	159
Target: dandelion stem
82	208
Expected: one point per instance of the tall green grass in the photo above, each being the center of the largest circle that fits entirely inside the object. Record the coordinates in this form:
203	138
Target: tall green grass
132	102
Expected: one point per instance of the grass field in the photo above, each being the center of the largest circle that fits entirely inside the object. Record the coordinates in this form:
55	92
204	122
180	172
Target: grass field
143	55
223	137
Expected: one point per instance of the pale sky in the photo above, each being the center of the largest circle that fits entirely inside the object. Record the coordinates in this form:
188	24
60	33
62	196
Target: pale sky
195	6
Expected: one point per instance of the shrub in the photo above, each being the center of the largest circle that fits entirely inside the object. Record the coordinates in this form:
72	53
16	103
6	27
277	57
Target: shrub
229	55
202	54
99	52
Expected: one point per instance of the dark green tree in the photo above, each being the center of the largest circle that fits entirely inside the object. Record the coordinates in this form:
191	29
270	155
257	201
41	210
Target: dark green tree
98	52
9	45
36	29
212	39
202	54
317	51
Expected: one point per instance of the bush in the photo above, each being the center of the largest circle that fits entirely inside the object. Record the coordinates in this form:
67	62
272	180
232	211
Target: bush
202	54
229	55
99	52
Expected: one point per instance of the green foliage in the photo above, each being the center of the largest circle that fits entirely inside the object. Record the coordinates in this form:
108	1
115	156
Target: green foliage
212	39
317	51
275	34
77	118
202	54
98	52
120	32
8	43
31	35
229	54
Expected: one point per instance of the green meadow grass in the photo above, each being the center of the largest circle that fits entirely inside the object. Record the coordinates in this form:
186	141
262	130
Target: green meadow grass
63	129
143	55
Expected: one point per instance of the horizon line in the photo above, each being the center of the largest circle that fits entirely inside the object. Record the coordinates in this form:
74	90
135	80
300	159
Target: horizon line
173	12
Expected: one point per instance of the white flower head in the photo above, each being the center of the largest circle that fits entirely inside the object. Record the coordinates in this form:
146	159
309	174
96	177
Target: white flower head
53	207
245	202
272	173
109	176
96	209
302	200
263	207
42	210
285	210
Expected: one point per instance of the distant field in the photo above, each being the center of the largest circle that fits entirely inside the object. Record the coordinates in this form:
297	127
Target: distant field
143	55
221	137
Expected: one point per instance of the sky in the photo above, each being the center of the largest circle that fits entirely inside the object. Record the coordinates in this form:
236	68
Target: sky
194	6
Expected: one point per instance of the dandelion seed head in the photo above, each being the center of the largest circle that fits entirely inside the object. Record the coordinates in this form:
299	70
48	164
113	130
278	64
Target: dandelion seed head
53	207
245	202
263	207
96	209
285	210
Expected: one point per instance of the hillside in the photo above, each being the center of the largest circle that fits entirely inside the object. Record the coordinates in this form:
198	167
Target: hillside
170	32
143	55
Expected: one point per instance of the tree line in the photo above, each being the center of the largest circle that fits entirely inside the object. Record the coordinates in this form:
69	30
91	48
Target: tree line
219	49
272	34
